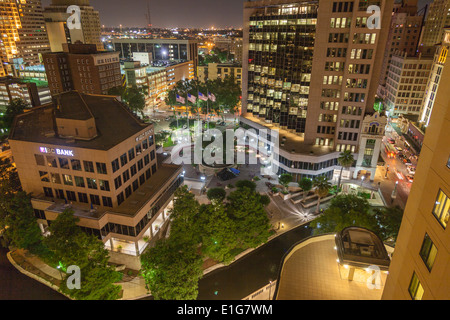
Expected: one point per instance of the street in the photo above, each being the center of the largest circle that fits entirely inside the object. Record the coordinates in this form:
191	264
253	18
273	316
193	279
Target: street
253	271
17	286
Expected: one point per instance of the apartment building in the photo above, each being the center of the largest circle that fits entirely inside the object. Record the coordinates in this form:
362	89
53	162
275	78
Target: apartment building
13	88
419	267
403	36
438	18
81	67
214	71
90	154
406	83
311	70
440	56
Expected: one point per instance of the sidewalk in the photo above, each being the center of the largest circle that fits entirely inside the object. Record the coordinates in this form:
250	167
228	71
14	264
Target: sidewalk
33	267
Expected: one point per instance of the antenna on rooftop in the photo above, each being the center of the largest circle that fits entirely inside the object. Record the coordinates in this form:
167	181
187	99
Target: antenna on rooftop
147	16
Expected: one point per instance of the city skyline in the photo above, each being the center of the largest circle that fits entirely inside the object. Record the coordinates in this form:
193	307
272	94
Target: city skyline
222	14
171	13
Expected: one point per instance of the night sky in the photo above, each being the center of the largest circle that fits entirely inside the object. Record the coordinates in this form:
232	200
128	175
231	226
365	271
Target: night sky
173	13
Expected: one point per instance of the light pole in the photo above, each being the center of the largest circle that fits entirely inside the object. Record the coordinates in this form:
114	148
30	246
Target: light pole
270	288
362	180
394	192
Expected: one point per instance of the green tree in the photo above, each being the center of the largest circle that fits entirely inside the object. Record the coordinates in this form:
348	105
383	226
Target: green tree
345	160
285	179
172	271
133	97
245	207
335	219
246	184
71	246
389	220
97	276
216	195
322	186
345	211
22	228
265	200
184	216
14	108
306	184
9	186
218	233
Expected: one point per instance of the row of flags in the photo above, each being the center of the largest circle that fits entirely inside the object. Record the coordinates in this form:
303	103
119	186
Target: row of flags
193	98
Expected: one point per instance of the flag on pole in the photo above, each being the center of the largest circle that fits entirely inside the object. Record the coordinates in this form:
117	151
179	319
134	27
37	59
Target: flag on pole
191	98
180	99
211	97
201	96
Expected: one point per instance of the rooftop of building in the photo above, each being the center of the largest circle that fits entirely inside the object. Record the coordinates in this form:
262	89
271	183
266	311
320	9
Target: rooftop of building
310	271
362	248
288	141
130	207
114	122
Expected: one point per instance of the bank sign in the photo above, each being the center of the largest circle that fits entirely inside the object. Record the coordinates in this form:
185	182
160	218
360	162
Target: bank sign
60	152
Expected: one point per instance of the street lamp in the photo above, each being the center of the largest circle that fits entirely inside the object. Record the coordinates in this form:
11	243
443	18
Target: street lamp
362	180
270	288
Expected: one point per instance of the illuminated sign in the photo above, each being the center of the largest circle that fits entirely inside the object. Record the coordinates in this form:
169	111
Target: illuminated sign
60	152
143	135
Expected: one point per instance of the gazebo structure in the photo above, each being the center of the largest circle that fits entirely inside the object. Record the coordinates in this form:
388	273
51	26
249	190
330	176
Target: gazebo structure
360	251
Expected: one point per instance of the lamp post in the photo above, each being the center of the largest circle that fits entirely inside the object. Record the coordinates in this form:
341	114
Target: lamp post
362	180
270	288
394	192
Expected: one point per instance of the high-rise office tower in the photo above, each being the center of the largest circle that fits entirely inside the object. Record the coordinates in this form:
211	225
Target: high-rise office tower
56	21
419	267
403	37
23	32
437	19
311	70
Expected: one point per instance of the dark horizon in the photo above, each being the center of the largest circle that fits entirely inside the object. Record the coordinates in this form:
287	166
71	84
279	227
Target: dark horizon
174	13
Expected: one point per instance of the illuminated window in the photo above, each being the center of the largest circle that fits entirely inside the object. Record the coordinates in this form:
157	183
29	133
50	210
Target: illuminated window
428	252
442	208
415	288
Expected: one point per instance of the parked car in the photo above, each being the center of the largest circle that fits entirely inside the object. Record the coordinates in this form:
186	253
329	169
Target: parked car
398	149
156	120
391	141
411	170
410	178
167	119
407	161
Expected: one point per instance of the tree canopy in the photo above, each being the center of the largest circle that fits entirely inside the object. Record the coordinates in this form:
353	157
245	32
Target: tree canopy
71	246
216	230
347	210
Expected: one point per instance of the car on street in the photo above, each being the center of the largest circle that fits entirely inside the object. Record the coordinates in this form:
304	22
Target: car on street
391	141
167	119
398	149
407	161
410	178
